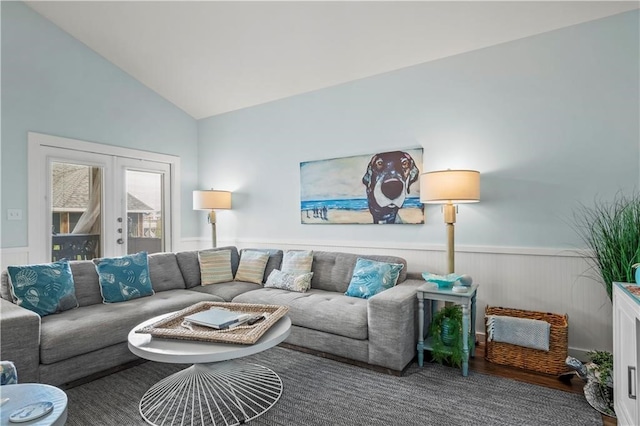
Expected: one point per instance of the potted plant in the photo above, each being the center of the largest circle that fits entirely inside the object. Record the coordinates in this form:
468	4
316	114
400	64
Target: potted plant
445	331
610	231
601	370
598	373
602	367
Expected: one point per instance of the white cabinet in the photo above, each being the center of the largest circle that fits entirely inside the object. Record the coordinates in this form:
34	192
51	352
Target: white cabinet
626	329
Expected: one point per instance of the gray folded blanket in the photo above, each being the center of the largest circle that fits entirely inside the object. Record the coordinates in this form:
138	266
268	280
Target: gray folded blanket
525	332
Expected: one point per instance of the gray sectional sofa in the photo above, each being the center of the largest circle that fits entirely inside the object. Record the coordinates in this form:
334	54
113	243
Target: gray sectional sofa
73	344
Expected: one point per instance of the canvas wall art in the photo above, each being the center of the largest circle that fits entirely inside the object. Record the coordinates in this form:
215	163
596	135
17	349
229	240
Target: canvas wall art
381	188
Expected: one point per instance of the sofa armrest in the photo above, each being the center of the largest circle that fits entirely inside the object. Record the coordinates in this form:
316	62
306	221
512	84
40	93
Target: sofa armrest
20	339
392	319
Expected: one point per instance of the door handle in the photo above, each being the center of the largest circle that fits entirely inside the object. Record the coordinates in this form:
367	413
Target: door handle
631	378
120	241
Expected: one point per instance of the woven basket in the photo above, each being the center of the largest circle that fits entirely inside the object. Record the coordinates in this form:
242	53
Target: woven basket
552	362
172	326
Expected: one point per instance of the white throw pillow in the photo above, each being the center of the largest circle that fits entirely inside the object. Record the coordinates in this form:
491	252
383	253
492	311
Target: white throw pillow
285	281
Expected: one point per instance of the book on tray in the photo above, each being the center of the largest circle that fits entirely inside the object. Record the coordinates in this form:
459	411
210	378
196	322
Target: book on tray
219	319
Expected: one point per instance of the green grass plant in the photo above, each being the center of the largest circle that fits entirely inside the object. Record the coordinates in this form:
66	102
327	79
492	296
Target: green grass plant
611	231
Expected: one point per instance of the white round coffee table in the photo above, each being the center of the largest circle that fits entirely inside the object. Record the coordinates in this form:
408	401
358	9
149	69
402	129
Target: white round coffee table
215	390
22	394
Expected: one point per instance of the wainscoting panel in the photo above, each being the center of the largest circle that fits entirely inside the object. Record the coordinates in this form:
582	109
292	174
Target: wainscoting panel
13	256
188	244
523	278
535	279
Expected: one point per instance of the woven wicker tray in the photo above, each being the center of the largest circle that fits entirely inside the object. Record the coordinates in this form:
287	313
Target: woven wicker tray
172	328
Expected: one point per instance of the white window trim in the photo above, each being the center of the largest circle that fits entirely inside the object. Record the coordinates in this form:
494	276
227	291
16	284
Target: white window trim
37	142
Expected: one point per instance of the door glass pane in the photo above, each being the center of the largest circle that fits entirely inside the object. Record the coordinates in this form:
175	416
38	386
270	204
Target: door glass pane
144	212
76	206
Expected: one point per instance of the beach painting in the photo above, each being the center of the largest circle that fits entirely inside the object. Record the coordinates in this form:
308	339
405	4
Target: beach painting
378	188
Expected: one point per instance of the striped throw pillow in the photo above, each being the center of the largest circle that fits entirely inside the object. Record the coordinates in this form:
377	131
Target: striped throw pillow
252	266
297	261
215	266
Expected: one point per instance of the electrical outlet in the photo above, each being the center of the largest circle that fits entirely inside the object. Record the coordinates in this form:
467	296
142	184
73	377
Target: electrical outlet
14	214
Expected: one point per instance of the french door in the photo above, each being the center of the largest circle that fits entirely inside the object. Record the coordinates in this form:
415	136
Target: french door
89	204
143	189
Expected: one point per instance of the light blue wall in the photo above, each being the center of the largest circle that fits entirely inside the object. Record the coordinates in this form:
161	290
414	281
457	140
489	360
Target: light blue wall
550	121
52	83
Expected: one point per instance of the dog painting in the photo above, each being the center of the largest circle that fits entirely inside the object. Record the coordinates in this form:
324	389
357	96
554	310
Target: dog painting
379	188
388	180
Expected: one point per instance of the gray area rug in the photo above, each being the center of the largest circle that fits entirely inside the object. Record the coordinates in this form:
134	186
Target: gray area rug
319	391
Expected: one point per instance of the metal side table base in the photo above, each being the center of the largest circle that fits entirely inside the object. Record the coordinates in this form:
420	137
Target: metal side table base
221	393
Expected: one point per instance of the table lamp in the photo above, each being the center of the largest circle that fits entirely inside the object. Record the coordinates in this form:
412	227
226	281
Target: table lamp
450	187
212	200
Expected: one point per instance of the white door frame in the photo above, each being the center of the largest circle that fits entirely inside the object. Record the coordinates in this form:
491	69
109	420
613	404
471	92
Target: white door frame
40	147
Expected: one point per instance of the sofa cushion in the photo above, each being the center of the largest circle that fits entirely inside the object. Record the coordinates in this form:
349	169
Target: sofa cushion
74	332
44	288
252	265
287	281
85	278
274	262
165	272
215	266
332	271
124	278
297	261
190	268
317	309
370	277
227	291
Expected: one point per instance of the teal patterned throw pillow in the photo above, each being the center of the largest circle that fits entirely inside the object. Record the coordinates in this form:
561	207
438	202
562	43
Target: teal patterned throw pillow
44	288
124	278
371	277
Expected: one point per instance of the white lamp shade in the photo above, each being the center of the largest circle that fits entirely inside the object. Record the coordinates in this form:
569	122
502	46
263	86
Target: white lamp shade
210	199
450	186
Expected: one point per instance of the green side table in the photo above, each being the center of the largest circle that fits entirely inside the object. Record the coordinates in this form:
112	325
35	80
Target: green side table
430	291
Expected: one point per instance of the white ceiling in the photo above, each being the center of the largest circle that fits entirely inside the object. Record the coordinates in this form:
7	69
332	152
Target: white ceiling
211	57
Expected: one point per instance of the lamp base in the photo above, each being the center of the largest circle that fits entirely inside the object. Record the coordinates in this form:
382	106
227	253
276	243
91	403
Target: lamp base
450	219
212	221
213	235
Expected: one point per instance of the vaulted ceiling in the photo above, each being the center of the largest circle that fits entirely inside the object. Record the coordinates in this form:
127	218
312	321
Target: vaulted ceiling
211	57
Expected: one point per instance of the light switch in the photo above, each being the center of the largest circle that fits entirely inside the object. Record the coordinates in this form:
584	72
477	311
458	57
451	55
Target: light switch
14	214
